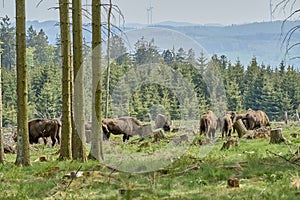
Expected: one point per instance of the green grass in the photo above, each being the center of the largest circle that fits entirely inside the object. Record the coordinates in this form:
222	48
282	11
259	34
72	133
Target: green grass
262	175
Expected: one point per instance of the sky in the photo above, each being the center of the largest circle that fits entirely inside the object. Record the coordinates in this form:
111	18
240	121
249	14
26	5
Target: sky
192	11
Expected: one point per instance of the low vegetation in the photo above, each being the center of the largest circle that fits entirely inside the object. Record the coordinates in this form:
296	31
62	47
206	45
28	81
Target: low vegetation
264	171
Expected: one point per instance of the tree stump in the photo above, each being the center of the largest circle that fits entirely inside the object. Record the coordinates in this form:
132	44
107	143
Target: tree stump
233	182
240	127
229	143
276	136
146	131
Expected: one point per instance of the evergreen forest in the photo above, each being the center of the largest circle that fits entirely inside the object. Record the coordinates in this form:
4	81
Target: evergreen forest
273	89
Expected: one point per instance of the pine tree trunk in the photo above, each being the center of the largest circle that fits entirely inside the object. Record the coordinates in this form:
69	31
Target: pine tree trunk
1	130
78	134
276	136
108	60
285	118
240	127
23	156
65	147
96	143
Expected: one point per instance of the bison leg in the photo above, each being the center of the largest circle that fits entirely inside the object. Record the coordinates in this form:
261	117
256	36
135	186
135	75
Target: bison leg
124	137
208	132
229	133
58	139
106	135
45	140
212	134
53	140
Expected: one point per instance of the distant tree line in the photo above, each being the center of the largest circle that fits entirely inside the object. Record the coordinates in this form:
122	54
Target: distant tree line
274	89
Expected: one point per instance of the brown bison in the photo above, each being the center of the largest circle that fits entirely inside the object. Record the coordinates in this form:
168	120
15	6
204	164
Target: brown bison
208	124
128	126
161	121
43	128
226	125
256	119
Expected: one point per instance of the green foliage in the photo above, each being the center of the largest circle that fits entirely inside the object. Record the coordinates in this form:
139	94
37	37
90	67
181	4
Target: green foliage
45	91
217	83
261	175
7	36
44	84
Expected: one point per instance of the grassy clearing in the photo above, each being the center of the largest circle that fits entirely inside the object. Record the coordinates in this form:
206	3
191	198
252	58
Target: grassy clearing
262	175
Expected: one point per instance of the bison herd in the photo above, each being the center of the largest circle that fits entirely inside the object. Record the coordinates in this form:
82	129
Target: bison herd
209	122
130	126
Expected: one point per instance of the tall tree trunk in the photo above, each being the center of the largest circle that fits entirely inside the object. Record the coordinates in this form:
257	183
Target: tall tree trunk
108	60
23	156
65	147
1	131
78	134
96	143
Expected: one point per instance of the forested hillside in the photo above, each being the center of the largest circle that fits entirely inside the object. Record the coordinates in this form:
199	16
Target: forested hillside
274	89
237	41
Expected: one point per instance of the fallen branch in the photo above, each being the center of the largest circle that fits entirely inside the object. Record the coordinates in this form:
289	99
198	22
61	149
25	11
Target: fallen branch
195	167
284	158
73	176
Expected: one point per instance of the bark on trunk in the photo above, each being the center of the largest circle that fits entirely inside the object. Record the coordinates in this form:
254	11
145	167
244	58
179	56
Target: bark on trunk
2	158
23	156
65	147
78	134
97	137
240	127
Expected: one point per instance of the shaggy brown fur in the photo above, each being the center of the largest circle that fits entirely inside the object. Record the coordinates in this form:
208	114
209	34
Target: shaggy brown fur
208	124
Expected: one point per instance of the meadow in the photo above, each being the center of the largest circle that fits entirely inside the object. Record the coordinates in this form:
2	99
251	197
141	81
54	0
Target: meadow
264	171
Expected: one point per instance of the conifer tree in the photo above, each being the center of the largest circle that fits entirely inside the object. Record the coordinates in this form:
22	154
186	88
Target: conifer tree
7	36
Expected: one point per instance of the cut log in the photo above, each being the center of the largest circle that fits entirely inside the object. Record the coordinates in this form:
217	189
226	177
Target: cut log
180	139
276	136
240	127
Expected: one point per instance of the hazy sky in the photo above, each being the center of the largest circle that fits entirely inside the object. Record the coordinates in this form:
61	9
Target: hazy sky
193	11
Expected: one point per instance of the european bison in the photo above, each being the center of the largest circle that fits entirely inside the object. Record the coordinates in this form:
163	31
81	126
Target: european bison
161	121
43	128
208	124
256	119
128	126
226	125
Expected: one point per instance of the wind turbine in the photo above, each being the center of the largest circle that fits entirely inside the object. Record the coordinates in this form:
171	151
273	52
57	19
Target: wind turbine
149	14
271	11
